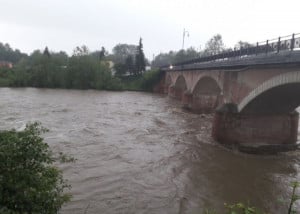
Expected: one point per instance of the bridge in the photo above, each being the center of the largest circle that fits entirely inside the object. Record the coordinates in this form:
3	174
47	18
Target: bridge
253	93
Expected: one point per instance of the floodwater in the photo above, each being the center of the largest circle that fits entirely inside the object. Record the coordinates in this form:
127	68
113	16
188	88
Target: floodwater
140	153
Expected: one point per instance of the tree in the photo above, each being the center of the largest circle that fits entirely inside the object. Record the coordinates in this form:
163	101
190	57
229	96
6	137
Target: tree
120	69
129	64
122	51
29	182
163	59
81	51
184	55
215	45
102	53
241	44
140	64
46	52
10	55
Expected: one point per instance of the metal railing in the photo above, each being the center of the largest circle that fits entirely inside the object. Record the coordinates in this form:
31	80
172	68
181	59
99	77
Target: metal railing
285	43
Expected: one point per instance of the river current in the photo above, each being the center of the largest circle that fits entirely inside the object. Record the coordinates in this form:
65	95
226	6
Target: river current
141	153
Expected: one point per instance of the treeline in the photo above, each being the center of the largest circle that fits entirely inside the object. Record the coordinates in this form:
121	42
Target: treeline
9	54
214	45
124	68
56	70
83	70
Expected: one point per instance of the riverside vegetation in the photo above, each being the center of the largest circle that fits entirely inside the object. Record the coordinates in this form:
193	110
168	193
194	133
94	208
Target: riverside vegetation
29	181
241	208
83	70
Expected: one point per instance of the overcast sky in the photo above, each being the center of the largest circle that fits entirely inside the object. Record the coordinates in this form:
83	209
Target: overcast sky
65	24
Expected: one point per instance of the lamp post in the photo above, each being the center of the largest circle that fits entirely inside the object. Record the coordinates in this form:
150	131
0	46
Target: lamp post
185	32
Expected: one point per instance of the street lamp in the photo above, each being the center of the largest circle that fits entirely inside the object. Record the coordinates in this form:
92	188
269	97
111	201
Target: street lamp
185	32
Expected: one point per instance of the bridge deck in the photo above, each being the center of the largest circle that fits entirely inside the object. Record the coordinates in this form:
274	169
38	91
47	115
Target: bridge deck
284	57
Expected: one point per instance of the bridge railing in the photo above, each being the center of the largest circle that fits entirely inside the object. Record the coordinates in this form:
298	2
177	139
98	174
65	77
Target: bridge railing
280	44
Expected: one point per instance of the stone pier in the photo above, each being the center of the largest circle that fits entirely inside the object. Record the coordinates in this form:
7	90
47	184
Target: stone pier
256	133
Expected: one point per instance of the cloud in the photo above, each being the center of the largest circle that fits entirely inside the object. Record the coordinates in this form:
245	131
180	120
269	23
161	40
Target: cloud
32	24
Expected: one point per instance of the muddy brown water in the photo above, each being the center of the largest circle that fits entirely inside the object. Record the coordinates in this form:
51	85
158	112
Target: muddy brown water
140	153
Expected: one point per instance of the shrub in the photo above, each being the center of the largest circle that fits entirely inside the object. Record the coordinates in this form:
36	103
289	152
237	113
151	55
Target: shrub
29	182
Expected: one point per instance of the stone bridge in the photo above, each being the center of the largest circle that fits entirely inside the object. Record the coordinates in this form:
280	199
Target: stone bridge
253	98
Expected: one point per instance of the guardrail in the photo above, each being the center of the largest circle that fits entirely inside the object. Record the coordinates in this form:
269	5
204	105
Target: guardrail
285	43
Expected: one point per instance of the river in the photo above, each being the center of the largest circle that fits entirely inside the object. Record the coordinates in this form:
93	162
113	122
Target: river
140	153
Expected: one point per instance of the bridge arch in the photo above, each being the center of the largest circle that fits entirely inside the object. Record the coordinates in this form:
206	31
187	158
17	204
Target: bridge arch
206	95
168	80
280	94
180	87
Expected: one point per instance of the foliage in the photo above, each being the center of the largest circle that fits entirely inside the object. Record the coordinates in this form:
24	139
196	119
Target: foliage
29	183
57	70
129	64
139	59
241	44
128	61
127	68
10	55
241	208
143	82
175	57
5	77
81	51
294	198
215	45
184	55
150	79
121	52
163	59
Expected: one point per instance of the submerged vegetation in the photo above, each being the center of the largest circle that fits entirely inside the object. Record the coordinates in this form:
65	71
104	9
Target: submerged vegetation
241	208
29	181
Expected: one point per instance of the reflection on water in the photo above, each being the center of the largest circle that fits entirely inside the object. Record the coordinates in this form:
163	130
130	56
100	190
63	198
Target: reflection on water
140	153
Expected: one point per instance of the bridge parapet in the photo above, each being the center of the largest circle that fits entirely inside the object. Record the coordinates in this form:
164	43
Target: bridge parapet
278	46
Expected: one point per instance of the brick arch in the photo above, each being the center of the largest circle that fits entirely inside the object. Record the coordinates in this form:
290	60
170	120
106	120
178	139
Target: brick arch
206	85
169	80
180	82
288	81
213	77
179	87
206	95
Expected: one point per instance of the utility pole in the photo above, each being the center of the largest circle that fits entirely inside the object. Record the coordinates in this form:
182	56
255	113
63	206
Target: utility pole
185	32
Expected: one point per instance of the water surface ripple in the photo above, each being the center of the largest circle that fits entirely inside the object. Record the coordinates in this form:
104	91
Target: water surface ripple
140	153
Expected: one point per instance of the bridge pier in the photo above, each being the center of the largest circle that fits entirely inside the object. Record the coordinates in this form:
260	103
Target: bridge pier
176	93
171	91
205	104
256	133
187	99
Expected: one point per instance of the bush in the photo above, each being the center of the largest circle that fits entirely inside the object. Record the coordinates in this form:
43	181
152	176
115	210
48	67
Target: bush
29	183
241	208
144	82
150	79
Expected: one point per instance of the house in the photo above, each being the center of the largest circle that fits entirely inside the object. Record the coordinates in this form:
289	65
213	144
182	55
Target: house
5	64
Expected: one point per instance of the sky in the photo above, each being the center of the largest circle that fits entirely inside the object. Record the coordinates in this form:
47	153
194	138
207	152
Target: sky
64	24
